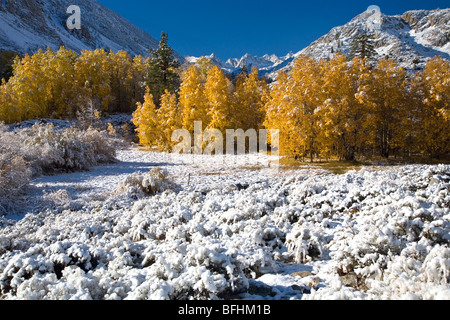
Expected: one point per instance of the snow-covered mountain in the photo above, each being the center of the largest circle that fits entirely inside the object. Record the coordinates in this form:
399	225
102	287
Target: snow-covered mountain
27	25
410	39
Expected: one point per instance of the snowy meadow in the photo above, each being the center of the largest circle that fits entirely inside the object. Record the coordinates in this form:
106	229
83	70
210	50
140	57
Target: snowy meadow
154	225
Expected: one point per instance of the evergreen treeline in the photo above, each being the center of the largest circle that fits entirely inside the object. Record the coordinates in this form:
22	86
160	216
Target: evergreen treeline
330	109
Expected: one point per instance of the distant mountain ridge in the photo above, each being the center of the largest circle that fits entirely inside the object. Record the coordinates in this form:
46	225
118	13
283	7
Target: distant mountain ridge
27	25
411	39
266	64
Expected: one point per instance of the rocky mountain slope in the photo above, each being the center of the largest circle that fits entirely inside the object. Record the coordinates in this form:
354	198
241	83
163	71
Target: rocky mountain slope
27	25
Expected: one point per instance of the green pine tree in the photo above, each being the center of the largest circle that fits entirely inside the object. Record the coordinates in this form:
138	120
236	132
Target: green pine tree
162	70
363	46
6	64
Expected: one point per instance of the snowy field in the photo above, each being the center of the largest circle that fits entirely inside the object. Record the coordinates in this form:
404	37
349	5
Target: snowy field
229	228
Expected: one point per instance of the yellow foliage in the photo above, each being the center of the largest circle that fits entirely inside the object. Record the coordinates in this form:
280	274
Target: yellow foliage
218	91
251	95
192	100
145	120
169	119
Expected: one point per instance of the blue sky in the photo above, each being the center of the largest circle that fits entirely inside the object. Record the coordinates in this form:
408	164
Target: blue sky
235	27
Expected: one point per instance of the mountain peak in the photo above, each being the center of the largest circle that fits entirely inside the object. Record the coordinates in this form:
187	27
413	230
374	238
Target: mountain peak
410	39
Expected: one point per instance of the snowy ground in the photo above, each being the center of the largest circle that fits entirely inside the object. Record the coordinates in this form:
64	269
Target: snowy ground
229	228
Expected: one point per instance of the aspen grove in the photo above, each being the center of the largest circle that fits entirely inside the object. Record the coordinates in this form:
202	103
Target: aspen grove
329	109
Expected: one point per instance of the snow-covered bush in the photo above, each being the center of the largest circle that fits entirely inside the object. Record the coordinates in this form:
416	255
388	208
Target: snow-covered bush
144	184
43	149
70	149
14	177
50	150
306	242
14	172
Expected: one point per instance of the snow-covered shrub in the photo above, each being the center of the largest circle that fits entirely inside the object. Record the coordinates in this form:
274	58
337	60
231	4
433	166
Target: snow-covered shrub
306	242
145	184
14	172
51	150
14	177
193	272
436	267
43	149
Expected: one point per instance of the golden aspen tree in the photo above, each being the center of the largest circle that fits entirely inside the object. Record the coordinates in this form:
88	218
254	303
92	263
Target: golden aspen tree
331	117
92	77
386	100
146	122
60	72
169	119
343	117
218	91
29	85
8	112
251	95
204	65
434	118
192	100
436	77
307	98
42	84
281	115
416	119
361	121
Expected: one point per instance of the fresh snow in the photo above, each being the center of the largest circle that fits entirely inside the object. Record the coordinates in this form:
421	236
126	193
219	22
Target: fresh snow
230	228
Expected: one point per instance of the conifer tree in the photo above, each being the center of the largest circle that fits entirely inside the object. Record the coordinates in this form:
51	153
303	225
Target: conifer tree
162	70
120	66
138	74
6	64
363	47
